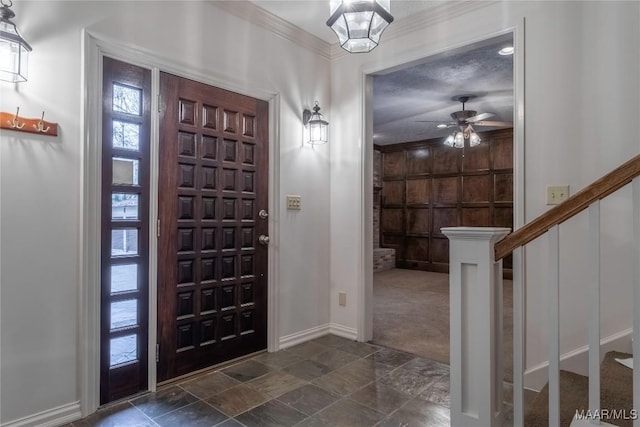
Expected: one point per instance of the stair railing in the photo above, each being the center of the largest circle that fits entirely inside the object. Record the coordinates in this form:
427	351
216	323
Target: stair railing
475	268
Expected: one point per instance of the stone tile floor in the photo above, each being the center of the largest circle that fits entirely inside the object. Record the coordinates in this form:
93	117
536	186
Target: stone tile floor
329	381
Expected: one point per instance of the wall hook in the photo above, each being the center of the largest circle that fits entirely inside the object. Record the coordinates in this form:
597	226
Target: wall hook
15	124
40	126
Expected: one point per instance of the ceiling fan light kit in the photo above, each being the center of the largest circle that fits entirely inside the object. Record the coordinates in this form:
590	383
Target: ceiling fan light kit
359	23
464	119
457	138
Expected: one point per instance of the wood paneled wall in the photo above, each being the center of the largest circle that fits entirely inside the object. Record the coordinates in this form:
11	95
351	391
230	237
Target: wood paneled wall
427	185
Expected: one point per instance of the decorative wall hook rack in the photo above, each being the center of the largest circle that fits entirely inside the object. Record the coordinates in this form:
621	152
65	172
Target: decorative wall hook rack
21	124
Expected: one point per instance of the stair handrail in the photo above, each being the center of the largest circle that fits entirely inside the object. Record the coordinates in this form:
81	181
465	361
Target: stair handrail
575	204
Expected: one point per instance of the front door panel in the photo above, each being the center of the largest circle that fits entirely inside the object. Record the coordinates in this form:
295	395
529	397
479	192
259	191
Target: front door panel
212	272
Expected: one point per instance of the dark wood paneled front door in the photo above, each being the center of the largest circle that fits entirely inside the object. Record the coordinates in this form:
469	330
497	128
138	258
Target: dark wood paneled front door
212	272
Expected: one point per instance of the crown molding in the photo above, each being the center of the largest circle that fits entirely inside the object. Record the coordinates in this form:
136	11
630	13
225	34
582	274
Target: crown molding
262	18
437	14
256	15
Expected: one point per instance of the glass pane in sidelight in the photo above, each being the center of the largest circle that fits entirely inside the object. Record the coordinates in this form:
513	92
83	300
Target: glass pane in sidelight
124	206
124	241
124	313
127	99
126	135
125	171
123	349
124	278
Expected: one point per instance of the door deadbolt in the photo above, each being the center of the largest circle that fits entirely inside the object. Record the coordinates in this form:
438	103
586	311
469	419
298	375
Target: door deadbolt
263	214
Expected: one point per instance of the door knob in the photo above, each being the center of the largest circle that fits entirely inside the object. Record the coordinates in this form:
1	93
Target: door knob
263	240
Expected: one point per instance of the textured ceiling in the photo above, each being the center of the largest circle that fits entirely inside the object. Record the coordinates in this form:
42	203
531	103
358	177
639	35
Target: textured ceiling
424	89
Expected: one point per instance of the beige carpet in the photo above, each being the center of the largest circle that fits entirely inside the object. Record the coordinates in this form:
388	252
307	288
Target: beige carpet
411	313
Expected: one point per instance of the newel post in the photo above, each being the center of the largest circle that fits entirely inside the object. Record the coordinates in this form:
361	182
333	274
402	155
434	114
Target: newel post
475	286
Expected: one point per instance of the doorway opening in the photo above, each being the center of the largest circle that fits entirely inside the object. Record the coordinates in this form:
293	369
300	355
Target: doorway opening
423	182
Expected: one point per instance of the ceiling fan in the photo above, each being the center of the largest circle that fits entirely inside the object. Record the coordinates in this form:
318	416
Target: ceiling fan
464	119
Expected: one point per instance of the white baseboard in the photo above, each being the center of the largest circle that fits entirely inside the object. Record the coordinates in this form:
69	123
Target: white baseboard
343	331
302	336
577	360
316	332
53	417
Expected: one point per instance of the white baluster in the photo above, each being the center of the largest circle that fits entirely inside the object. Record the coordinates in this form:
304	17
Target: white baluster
594	307
636	295
518	337
554	326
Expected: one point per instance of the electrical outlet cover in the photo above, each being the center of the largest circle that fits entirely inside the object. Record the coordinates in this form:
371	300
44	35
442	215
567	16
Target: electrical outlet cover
342	299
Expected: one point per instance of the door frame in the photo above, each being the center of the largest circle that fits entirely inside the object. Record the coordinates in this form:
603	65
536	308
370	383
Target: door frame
365	268
94	48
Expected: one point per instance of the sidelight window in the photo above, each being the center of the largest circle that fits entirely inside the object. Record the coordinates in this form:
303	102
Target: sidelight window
125	229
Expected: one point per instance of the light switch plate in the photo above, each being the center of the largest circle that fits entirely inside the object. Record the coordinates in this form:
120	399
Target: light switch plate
557	194
293	203
342	299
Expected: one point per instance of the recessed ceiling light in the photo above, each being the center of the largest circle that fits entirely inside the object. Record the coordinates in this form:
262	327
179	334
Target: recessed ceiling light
441	126
508	50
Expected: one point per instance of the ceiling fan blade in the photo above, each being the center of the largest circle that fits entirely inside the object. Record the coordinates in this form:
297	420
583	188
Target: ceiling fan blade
493	124
479	117
448	125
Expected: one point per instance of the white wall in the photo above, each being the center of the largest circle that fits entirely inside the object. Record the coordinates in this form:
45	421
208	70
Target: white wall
581	110
41	176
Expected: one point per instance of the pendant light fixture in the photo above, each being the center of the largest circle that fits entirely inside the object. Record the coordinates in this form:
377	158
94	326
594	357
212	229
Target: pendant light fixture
359	23
14	50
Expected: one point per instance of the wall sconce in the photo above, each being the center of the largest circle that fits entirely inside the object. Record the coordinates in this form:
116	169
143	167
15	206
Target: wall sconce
316	125
14	50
